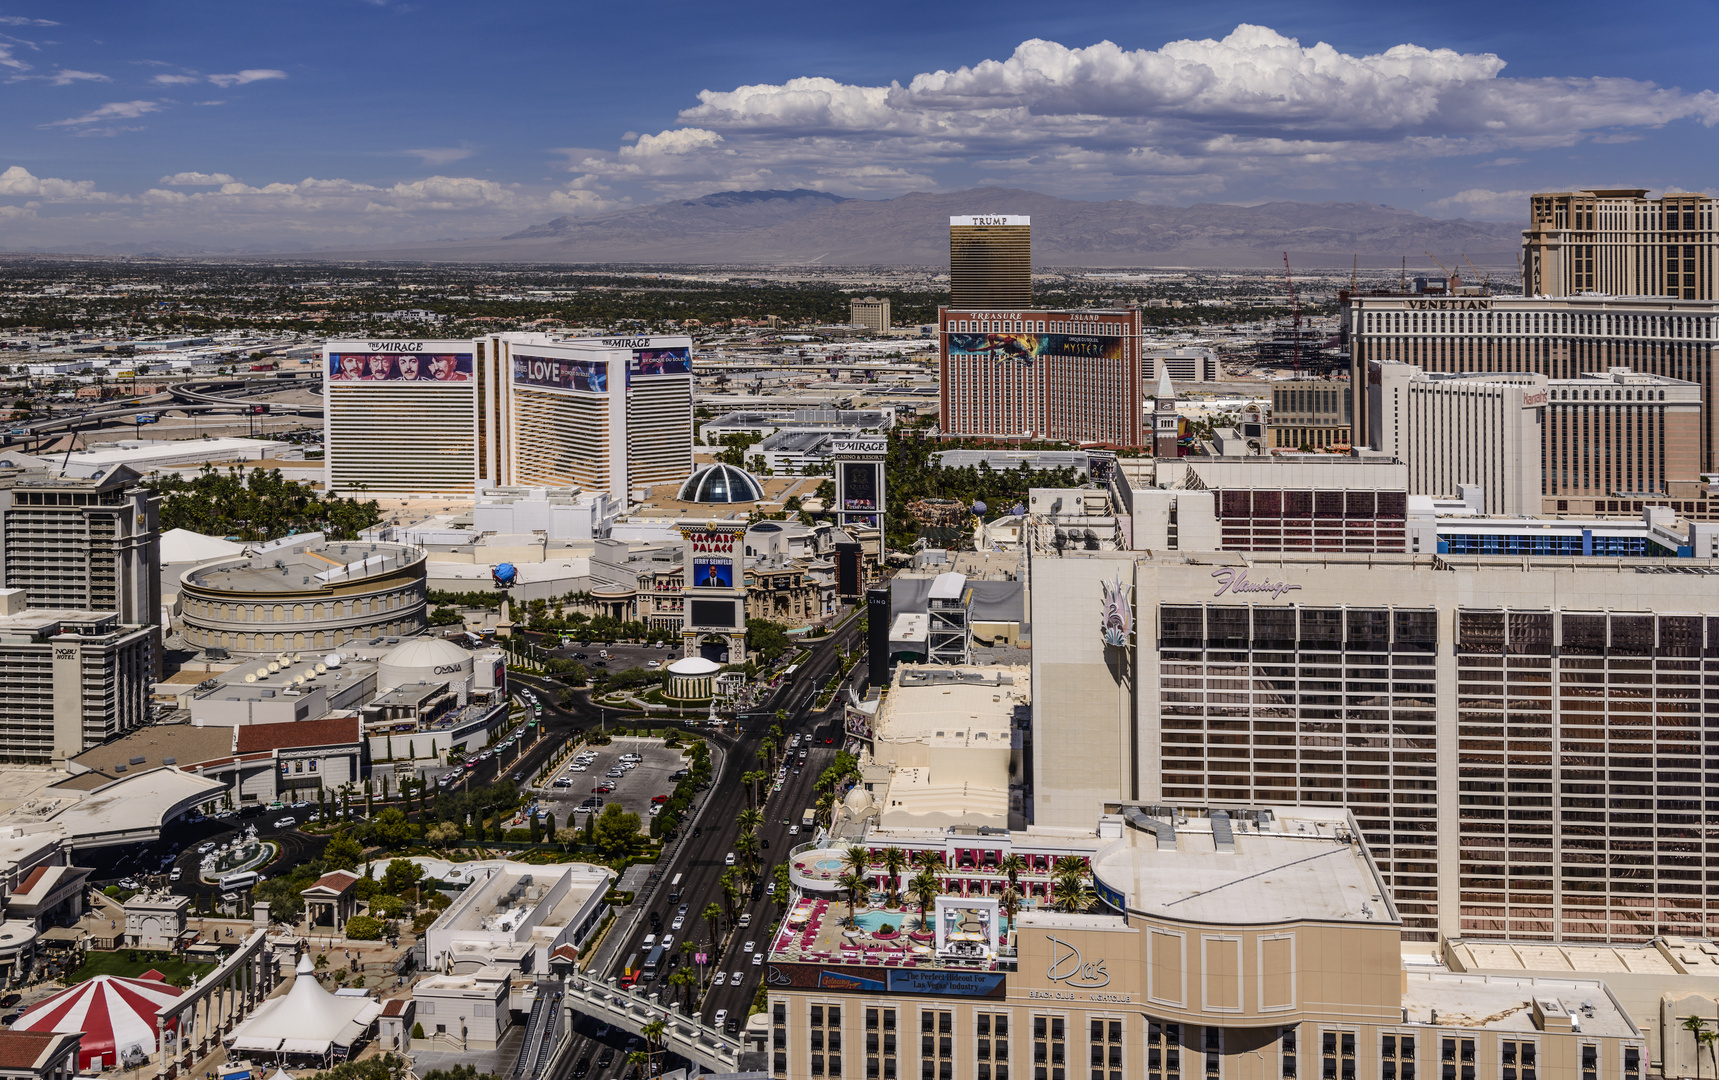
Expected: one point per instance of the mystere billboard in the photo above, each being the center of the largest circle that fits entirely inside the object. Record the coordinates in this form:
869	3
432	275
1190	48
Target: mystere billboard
558	373
399	367
1027	348
660	362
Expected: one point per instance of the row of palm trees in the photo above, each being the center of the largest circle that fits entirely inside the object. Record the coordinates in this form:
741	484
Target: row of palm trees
1070	881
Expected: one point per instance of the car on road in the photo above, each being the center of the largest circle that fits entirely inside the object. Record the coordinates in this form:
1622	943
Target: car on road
720	1018
720	979
10	1000
745	920
518	776
128	883
793	830
758	959
735	978
176	874
729	861
206	847
659	798
581	1067
607	1057
749	946
679	921
286	823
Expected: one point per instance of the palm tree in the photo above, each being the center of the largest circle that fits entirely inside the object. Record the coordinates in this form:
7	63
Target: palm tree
1071	894
1069	866
925	887
713	916
1011	865
731	891
930	860
746	846
856	858
685	981
767	751
1697	1026
853	883
1010	902
894	861
750	819
826	804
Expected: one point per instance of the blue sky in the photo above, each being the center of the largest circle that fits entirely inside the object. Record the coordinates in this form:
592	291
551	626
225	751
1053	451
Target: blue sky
335	122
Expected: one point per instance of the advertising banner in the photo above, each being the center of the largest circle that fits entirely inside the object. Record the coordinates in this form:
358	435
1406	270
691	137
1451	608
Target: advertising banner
713	573
555	373
399	367
859	485
872	980
1027	348
660	362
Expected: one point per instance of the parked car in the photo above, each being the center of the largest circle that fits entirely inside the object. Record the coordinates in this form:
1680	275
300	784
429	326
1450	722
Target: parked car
659	798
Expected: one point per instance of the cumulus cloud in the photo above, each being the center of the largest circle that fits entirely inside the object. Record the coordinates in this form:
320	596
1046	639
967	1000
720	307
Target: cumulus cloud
1483	203
176	80
1111	118
443	155
196	179
18	183
249	75
113	110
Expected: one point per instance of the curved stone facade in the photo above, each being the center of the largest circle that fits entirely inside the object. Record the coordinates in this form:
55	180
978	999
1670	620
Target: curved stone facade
320	596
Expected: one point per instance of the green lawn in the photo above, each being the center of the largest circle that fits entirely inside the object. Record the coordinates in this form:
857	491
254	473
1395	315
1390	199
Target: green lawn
115	963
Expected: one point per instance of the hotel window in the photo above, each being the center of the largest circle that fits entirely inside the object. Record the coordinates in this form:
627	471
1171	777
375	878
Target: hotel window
1590	1061
1456	1059
992	1046
1518	1060
779	1039
1397	1058
880	1047
1286	1052
1106	1051
1050	1048
936	1045
1632	1063
826	1038
1214	1046
1163	1051
1337	1055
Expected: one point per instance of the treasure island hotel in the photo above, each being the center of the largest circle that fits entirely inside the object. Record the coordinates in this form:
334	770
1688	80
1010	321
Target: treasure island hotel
406	418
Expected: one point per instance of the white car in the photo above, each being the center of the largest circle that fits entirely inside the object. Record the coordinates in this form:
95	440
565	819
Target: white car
175	875
668	942
749	946
720	1018
736	978
729	861
286	823
757	959
679	921
721	979
793	830
205	848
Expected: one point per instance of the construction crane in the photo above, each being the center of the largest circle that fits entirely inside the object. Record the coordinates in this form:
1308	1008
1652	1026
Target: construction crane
1453	282
1485	282
1294	315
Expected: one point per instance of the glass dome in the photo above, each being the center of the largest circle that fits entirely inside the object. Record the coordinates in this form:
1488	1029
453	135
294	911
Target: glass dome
721	484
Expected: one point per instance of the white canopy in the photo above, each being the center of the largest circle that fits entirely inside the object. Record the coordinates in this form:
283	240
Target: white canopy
307	1020
183	546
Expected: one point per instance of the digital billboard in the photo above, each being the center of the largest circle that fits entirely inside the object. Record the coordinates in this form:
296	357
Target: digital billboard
660	362
399	367
711	613
1029	347
556	373
859	485
713	573
866	980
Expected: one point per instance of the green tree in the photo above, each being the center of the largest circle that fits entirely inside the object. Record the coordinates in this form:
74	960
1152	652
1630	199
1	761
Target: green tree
342	852
852	883
616	832
402	875
713	918
391	829
925	888
1010	902
442	834
894	862
362	928
765	639
1071	894
686	982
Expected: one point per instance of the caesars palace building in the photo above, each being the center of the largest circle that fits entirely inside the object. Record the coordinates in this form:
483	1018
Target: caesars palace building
1527	747
430	418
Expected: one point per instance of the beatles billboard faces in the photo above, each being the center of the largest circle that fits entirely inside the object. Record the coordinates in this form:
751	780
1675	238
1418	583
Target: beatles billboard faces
400	367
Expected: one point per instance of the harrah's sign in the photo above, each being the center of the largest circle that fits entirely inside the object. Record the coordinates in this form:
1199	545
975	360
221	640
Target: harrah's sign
1234	580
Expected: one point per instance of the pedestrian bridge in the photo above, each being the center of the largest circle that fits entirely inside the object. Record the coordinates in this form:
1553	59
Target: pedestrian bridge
607	1002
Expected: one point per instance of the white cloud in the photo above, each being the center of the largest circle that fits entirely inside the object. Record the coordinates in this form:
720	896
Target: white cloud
113	110
176	80
249	75
8	59
20	20
1484	203
1255	102
18	183
196	179
67	76
435	156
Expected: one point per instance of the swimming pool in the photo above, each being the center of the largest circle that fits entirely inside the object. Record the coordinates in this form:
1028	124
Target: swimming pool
873	920
828	866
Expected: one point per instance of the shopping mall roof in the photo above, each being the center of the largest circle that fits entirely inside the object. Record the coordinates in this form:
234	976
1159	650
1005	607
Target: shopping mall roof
134	808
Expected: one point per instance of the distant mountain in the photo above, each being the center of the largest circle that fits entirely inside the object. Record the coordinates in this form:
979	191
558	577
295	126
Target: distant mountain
812	228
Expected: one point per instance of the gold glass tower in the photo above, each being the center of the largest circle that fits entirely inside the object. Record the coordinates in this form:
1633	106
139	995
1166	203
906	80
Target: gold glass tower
990	262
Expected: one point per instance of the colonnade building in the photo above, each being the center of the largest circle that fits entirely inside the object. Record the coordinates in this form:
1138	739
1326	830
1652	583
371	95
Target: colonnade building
409	418
1566	337
1620	241
1523	746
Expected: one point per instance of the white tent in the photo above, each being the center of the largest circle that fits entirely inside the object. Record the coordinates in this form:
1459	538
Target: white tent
183	546
307	1020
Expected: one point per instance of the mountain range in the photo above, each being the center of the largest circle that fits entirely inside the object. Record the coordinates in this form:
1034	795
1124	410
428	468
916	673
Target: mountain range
816	228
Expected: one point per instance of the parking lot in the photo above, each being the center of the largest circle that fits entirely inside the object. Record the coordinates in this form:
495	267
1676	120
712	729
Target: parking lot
621	657
633	789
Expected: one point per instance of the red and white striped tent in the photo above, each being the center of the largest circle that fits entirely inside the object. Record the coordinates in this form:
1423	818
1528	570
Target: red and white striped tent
114	1013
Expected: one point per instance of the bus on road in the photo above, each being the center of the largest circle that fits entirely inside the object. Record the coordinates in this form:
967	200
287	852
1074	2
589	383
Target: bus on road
809	819
652	963
243	879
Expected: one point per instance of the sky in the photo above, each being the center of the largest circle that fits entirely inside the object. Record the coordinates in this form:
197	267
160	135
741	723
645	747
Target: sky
334	123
